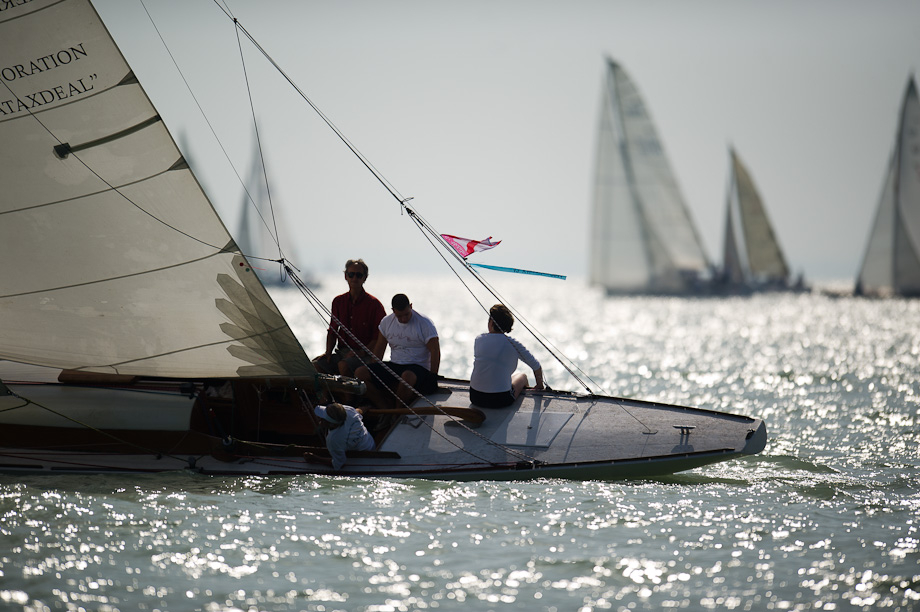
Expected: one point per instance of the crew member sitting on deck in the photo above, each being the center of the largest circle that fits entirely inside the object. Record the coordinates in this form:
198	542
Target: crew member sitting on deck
415	355
494	383
355	311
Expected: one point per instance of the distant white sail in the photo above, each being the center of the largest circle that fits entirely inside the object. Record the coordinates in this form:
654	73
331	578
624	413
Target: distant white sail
752	255
891	265
263	230
642	237
114	259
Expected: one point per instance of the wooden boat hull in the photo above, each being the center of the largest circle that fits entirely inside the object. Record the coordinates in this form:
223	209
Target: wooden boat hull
91	429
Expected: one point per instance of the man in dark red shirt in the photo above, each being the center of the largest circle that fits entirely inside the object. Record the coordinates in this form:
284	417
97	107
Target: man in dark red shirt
355	311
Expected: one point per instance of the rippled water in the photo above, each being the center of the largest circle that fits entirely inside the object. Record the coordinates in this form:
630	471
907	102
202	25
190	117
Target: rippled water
826	518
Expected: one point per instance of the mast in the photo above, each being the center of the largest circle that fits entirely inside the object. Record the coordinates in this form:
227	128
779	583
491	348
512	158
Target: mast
896	191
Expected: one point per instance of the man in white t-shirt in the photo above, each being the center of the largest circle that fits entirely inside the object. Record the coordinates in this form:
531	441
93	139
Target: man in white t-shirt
415	356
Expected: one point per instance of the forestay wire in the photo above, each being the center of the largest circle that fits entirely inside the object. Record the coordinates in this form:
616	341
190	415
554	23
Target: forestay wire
317	304
221	144
432	235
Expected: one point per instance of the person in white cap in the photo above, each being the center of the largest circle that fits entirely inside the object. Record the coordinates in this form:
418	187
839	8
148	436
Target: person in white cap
346	431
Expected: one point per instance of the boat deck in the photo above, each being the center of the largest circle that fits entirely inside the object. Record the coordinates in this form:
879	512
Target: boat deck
555	433
543	434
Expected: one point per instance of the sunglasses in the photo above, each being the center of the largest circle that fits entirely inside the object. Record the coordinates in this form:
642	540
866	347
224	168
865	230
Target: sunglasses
354	274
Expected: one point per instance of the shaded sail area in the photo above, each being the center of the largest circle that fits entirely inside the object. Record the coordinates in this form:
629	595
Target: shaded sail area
642	237
891	265
752	255
115	258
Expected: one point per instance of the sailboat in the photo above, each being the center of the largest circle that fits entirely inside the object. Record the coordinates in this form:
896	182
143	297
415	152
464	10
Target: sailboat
753	259
891	264
136	337
254	235
643	239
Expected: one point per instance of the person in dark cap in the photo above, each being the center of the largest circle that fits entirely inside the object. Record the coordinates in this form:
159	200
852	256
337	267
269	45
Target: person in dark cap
346	431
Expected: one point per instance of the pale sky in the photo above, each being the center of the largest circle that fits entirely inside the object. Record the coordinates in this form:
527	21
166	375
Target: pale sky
485	112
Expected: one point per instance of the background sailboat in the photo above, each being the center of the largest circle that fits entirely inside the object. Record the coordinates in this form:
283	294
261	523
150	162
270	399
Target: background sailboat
891	265
752	257
643	239
263	230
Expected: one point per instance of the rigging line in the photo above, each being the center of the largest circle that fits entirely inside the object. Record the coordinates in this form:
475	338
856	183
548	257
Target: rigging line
420	221
255	124
544	342
11	408
425	227
204	116
390	188
360	156
431	235
553	350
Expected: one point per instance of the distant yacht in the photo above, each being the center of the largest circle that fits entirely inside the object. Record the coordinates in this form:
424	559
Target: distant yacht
642	239
891	264
752	258
263	232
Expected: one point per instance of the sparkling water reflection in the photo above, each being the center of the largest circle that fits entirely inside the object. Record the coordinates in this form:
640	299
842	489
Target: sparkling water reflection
825	519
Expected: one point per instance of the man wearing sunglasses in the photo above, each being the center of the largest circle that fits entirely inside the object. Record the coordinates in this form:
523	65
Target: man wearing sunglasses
353	328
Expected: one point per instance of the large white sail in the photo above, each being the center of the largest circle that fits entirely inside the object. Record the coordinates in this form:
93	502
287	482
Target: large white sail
114	258
642	236
891	265
752	255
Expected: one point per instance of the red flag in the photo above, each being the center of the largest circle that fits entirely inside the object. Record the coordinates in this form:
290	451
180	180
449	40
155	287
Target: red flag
466	247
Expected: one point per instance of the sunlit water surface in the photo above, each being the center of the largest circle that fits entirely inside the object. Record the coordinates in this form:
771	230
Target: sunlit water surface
826	518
